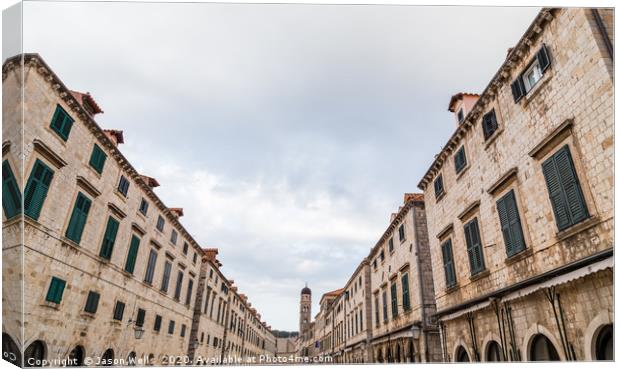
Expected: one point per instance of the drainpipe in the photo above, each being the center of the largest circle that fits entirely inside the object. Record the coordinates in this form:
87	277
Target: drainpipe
603	31
420	281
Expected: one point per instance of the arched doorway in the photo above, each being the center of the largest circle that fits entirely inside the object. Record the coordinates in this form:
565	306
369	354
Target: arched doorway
461	355
76	356
542	349
107	359
411	350
398	355
151	359
379	356
605	343
34	354
10	350
131	359
494	352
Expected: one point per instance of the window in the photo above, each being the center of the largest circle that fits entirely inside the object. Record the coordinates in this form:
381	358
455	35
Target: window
166	278
109	238
11	196
123	186
185	248
171	327
160	223
54	293
157	325
405	284
489	124
188	297
448	264
374	264
132	255
173	237
140	318
510	223
144	206
182	330
438	184
177	290
474	247
150	267
97	159
78	218
61	123
36	189
533	73
569	205
119	310
92	301
460	160
460	115
393	292
401	233
382	255
385	311
194	258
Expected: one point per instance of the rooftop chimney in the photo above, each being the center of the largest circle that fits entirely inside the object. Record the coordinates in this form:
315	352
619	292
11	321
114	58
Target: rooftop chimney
87	102
413	197
461	104
210	253
150	181
115	135
178	212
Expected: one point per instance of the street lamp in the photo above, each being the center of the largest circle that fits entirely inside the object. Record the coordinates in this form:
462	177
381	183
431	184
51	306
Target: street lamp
415	332
138	332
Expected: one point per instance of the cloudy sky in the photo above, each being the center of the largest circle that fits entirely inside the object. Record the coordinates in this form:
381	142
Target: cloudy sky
288	133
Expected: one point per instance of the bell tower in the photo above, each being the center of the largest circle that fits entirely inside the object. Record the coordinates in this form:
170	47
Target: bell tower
305	310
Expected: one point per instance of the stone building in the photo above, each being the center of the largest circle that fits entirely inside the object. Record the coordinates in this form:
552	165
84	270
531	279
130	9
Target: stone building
107	271
519	202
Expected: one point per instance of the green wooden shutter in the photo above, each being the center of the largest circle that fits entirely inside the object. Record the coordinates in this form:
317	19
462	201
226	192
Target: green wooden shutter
567	200
140	317
97	159
405	285
92	302
474	247
36	189
62	123
132	255
55	291
77	222
119	310
543	58
448	263
394	300
11	196
109	238
510	223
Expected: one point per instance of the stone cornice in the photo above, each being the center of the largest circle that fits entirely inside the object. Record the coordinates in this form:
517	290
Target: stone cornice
399	217
490	92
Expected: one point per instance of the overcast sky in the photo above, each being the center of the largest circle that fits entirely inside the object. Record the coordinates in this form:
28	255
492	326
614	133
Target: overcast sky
288	133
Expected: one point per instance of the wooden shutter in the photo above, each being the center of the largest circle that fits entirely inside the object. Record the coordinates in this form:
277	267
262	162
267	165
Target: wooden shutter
190	286
543	58
474	247
438	186
92	301
405	286
166	279
140	318
564	190
448	263
54	293
150	266
394	300
11	196
177	290
62	122
510	223
119	310
157	325
109	238
97	159
132	255
36	189
518	89
77	222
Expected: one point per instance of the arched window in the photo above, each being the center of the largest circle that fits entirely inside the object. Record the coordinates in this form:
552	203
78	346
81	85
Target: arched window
76	356
494	352
542	349
34	354
605	343
131	359
107	359
10	351
461	355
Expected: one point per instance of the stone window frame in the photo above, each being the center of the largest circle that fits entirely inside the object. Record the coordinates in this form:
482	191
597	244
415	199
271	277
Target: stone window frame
472	212
448	234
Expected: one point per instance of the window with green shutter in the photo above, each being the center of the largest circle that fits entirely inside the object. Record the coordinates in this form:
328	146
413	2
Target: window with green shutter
78	218
140	317
92	302
150	267
166	277
157	325
569	206
448	264
385	308
132	255
61	123
391	244
438	185
460	160
171	327
123	186
393	292
11	196
474	246
109	238
97	159
119	311
36	189
405	285
54	293
510	223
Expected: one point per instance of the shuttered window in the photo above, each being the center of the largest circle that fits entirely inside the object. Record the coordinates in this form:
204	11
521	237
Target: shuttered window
92	302
61	123
405	286
448	264
391	244
460	160
510	223
160	223
150	267
123	186
132	255
109	238
183	327
119	310
144	206
157	325
77	222
523	84
140	318
11	196
171	327
489	124
401	233
173	237
569	206
185	248
385	308
438	184
54	293
166	278
177	290
188	297
36	189
97	159
474	247
393	292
